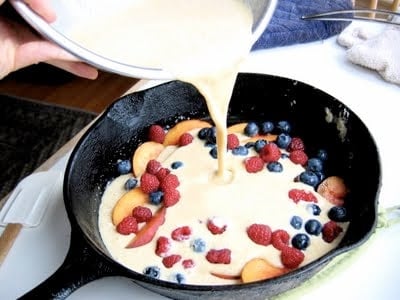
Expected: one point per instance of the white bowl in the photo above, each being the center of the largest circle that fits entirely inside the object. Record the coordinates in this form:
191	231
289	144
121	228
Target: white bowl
71	12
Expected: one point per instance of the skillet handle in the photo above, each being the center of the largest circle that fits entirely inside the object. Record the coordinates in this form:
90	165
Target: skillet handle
81	265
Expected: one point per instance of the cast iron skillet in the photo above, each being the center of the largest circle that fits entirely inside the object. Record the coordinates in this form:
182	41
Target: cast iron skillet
124	126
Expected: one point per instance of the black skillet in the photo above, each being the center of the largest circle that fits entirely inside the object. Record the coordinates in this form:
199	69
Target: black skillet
123	127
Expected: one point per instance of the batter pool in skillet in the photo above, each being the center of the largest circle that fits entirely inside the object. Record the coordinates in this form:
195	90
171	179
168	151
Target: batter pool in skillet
260	224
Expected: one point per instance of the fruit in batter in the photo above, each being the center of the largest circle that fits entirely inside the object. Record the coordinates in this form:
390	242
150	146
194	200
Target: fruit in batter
219	256
156	134
259	269
185	139
254	164
143	154
333	189
127	203
270	152
148	231
127	226
260	234
237	128
331	231
251	129
267	137
173	135
291	257
225	276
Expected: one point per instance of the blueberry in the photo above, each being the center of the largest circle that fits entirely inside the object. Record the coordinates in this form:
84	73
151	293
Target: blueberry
283	140
130	184
208	144
275	166
259	144
176	165
284	155
198	245
180	278
309	178
124	166
322	154
301	241
320	175
251	129
338	214
266	127
203	133
152	271
313	227
156	197
214	152
248	145
313	209
314	165
284	126
211	136
240	150
296	222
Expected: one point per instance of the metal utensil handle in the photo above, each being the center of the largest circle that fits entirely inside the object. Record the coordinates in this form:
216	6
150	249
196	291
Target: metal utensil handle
350	15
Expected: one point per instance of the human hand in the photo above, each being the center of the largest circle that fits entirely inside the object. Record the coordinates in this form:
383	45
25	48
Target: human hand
20	47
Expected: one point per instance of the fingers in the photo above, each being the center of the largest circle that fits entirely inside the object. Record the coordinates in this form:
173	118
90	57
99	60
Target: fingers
77	68
42	7
44	51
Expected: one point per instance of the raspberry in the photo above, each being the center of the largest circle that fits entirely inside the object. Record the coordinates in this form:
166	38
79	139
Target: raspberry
185	139
162	172
216	226
298	157
330	231
142	214
233	141
181	233
296	144
127	226
153	166
291	257
253	164
296	195
149	183
188	263
259	234
171	197
170	260
222	256
156	134
170	181
270	152
163	246
280	239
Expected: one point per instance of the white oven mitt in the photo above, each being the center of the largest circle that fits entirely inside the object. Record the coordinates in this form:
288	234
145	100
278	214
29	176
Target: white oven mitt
377	51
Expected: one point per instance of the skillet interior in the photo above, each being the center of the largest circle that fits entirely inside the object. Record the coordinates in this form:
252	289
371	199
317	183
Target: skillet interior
256	97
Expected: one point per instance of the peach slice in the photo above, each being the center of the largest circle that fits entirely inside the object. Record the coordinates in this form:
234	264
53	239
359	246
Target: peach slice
333	189
127	203
267	137
225	276
146	234
237	128
145	152
259	269
173	135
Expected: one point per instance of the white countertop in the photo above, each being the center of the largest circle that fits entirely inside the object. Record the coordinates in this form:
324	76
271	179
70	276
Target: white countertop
371	274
